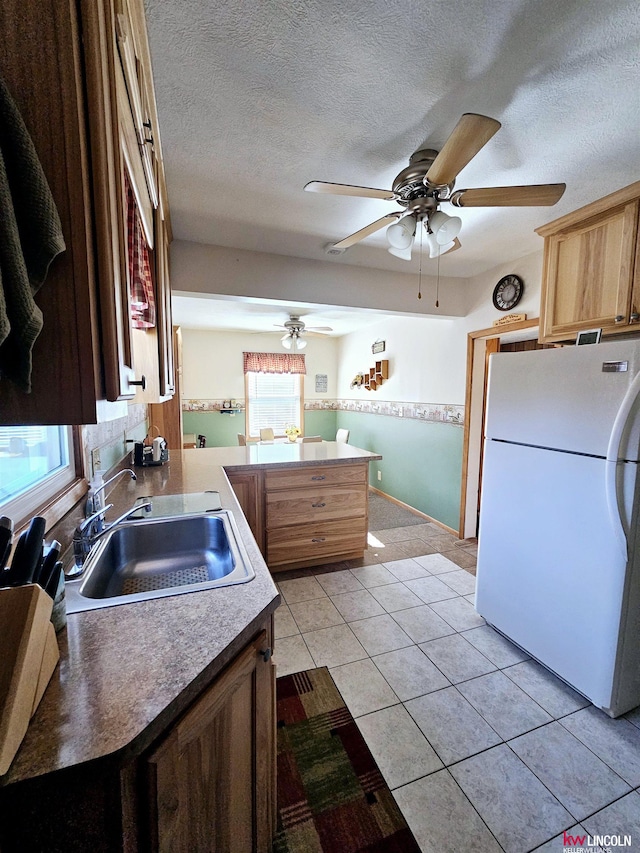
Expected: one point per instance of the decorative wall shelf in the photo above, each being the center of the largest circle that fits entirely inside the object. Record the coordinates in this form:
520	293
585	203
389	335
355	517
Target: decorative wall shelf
377	375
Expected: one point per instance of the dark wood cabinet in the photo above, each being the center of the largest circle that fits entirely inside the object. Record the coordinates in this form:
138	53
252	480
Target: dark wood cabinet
63	64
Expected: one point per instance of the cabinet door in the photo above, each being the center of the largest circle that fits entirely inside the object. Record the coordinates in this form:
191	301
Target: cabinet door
588	275
247	486
211	780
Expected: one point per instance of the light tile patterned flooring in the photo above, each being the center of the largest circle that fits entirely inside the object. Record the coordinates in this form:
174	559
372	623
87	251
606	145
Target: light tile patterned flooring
483	749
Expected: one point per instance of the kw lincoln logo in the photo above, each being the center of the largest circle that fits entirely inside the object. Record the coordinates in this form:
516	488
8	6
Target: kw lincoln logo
589	843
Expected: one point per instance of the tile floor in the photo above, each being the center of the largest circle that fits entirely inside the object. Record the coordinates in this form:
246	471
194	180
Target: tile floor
483	749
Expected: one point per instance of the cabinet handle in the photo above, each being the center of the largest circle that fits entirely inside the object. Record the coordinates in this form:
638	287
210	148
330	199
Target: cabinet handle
634	317
147	124
318	504
141	382
266	654
319	539
319	477
618	319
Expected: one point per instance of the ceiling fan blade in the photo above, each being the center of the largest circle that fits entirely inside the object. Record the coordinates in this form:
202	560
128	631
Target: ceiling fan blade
368	229
467	138
535	195
456	245
318	329
348	189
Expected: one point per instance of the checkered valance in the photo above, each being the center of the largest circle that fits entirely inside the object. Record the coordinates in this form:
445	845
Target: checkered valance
274	362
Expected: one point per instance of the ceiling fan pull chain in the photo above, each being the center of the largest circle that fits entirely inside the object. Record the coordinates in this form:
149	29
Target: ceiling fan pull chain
420	274
438	280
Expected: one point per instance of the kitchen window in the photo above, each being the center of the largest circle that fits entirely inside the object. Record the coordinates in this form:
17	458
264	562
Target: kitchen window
36	463
273	400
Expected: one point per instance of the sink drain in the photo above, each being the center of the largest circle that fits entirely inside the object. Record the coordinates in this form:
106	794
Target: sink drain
183	577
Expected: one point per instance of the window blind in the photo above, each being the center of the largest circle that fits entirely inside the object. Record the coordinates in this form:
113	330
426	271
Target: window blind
273	400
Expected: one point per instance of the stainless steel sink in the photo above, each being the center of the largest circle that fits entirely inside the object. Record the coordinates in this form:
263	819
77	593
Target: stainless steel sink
138	560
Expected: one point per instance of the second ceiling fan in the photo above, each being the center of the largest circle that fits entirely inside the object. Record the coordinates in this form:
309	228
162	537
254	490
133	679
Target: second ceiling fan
428	181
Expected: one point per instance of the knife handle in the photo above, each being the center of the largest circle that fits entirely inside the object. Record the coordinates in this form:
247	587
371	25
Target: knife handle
33	547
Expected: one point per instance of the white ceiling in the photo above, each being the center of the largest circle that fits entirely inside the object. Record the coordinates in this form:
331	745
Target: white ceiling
256	99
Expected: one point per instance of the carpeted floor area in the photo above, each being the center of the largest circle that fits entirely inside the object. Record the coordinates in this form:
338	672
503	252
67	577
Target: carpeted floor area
384	514
331	795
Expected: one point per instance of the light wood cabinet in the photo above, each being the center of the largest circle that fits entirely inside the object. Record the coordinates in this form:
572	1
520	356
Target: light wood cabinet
315	514
248	488
62	64
591	275
211	781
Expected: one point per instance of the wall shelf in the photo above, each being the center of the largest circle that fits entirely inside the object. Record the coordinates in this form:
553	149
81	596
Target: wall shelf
377	374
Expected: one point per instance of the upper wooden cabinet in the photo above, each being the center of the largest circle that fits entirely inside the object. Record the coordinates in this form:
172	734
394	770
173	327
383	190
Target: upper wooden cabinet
80	74
591	276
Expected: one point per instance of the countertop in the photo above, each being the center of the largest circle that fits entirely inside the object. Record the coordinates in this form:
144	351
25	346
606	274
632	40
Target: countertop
126	672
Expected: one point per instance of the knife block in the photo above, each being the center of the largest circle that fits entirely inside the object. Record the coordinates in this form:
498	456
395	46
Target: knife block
29	656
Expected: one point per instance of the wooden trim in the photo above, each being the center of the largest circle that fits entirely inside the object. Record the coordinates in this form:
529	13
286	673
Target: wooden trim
414	510
493	331
497	331
596	208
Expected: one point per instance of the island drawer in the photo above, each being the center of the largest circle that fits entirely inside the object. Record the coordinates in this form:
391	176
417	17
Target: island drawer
315	475
309	505
307	542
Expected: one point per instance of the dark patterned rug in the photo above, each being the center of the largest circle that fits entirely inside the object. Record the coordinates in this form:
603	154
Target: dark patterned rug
331	796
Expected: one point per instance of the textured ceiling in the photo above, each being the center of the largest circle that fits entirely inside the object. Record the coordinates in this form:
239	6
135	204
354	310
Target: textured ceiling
258	98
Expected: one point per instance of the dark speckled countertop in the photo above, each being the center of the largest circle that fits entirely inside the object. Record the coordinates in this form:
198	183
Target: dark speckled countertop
126	672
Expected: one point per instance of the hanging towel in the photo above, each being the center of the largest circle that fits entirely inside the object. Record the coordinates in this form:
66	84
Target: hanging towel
143	303
30	238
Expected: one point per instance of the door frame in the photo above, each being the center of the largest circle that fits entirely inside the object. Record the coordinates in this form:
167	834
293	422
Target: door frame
474	405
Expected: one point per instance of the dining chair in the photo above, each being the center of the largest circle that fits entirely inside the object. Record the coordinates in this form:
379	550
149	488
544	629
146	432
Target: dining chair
266	434
311	438
342	435
202	441
242	439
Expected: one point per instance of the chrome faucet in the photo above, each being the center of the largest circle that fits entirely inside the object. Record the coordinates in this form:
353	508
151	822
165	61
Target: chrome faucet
94	502
92	529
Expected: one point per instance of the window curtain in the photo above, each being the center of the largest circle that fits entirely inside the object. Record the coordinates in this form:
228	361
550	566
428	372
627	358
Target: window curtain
143	304
274	362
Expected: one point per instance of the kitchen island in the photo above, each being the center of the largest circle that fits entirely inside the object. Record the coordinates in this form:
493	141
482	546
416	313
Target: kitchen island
96	768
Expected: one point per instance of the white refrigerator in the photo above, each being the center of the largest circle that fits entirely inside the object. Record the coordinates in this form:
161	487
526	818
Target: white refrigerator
558	543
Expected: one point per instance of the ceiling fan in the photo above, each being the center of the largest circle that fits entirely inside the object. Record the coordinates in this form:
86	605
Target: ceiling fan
428	181
295	328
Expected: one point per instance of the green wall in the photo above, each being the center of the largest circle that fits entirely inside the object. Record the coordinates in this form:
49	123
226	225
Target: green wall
222	430
421	464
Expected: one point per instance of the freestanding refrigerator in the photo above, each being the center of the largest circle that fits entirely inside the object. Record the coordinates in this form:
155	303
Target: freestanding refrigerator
558	544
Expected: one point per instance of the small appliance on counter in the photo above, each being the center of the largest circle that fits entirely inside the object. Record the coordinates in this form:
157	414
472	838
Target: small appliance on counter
150	451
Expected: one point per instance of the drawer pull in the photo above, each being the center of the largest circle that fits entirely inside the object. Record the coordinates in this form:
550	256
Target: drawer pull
319	539
318	504
319	477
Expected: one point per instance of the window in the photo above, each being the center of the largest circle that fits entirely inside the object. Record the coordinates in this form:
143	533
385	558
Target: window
36	462
273	400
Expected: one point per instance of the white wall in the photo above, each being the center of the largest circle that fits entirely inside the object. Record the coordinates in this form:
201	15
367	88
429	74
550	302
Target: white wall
212	366
197	268
427	357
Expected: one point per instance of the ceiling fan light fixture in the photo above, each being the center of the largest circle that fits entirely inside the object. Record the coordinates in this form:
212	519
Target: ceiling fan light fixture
404	254
287	342
444	228
436	248
400	234
299	343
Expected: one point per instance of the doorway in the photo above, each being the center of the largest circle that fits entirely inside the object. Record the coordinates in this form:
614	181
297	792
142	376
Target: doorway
480	345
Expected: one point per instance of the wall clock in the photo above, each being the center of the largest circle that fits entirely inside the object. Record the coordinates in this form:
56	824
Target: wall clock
508	292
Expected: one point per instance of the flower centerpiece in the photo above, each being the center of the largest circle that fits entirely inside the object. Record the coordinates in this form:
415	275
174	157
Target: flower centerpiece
292	432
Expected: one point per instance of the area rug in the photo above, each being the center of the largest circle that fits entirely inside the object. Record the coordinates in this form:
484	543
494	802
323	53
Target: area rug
331	795
384	514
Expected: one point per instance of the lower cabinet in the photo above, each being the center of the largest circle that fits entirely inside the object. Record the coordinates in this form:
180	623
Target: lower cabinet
248	487
207	784
211	781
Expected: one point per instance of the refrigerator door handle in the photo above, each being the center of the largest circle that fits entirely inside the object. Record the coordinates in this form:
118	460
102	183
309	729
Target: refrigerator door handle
611	469
614	474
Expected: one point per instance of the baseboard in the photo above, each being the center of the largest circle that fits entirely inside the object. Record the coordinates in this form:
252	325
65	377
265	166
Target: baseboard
414	511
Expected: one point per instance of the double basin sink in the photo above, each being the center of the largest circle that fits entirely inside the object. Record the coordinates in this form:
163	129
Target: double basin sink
156	557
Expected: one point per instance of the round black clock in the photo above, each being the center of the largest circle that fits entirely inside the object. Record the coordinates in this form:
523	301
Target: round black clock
508	292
